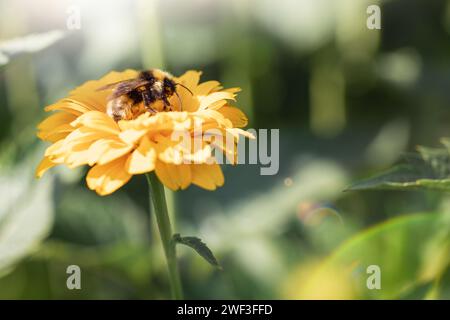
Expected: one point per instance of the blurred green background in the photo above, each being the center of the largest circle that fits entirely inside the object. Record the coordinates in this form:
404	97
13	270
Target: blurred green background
348	101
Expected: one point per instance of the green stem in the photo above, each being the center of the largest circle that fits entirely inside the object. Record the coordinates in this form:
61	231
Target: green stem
158	198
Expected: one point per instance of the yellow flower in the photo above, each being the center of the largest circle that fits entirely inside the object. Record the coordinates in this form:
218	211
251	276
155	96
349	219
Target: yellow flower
82	133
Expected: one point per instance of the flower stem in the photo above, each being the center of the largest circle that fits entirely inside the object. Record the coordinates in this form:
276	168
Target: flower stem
158	198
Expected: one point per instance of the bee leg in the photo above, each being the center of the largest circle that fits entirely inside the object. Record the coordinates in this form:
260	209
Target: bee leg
167	105
147	102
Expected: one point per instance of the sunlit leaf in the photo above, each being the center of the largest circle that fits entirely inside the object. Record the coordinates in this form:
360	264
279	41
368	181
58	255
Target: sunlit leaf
401	250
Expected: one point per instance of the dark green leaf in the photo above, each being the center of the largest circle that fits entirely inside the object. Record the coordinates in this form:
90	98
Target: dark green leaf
437	159
428	169
198	245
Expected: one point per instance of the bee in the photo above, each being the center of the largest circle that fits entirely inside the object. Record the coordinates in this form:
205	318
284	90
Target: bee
133	97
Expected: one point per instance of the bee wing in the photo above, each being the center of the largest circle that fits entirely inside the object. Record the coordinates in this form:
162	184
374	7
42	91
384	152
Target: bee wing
114	84
123	87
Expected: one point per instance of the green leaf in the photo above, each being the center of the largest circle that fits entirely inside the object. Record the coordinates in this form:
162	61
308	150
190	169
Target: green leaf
428	169
26	216
198	245
437	159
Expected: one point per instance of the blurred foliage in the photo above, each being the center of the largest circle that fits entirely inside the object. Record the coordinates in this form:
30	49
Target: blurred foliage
23	224
27	44
430	169
348	101
394	247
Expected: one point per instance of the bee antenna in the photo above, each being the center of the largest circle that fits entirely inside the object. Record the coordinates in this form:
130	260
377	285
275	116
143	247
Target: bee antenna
179	101
180	84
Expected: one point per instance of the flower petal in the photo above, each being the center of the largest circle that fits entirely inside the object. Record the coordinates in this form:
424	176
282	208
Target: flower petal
56	126
142	159
236	132
190	79
189	102
132	136
107	178
56	151
43	166
115	150
207	176
89	95
235	115
56	120
77	154
97	120
70	106
233	90
173	176
86	134
206	87
206	101
56	134
224	141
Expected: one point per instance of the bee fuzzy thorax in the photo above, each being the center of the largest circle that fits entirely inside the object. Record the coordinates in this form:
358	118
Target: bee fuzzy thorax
160	74
158	86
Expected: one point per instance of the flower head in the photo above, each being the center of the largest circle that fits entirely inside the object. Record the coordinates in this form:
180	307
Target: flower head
82	133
